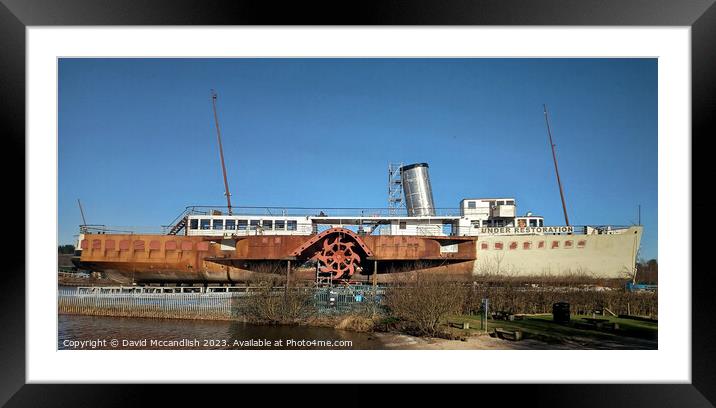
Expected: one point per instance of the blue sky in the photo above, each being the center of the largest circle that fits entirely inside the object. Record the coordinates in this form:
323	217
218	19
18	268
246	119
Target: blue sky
137	141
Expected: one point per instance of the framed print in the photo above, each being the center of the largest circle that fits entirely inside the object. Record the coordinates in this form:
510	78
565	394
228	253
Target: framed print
465	192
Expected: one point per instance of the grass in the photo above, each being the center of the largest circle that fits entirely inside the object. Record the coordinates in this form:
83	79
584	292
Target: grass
542	328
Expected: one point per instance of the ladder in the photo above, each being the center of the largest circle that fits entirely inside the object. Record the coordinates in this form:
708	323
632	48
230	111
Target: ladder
179	226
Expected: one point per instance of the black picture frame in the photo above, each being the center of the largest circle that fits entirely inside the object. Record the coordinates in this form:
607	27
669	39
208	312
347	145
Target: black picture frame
16	15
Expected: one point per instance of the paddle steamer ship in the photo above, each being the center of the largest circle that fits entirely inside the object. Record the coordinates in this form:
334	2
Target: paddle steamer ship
486	236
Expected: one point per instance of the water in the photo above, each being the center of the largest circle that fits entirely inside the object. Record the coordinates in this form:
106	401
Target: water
98	332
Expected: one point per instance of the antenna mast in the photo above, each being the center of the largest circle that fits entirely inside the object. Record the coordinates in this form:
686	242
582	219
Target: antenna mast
556	169
221	151
639	215
84	222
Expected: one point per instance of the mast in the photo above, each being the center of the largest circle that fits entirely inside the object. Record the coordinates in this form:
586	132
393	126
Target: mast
556	169
84	222
639	215
221	151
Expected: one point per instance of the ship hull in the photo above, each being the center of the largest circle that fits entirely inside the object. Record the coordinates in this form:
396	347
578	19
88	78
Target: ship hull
610	256
206	259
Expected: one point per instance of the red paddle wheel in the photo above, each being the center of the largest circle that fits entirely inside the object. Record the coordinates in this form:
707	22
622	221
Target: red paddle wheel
338	258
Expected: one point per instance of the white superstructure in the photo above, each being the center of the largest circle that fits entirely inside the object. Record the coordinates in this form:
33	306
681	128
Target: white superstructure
477	217
217	224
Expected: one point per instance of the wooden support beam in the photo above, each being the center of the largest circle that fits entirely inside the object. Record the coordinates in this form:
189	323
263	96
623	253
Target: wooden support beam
375	274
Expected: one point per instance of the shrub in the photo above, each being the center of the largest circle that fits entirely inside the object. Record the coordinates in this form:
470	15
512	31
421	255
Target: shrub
268	304
356	323
424	301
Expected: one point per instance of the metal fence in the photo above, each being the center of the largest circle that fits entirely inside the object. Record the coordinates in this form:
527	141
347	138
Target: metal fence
216	306
341	300
204	305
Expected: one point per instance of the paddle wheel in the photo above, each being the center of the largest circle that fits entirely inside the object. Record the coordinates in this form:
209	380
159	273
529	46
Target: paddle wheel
338	257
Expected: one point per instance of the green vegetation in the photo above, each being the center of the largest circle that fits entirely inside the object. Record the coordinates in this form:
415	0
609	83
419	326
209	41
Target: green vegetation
66	249
542	328
647	272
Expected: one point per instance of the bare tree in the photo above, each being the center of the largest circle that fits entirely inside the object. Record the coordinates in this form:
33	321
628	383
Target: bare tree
425	301
270	304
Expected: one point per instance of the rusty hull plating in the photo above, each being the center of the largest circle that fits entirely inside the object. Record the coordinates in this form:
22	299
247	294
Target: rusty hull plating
340	253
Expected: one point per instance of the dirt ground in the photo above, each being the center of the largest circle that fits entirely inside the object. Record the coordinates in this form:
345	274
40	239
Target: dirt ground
485	342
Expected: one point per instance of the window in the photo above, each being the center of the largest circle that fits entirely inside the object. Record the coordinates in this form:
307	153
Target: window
527	245
205	224
568	244
540	245
254	225
485	246
541	222
499	223
194	224
471	205
555	244
218	224
513	245
279	225
476	223
241	225
403	225
498	245
267	224
231	224
510	202
500	202
533	223
292	225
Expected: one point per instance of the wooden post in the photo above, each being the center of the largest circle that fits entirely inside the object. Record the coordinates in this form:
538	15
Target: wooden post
375	275
288	273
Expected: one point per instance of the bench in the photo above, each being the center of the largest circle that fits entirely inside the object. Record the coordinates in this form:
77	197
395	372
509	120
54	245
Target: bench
460	325
503	316
592	323
513	335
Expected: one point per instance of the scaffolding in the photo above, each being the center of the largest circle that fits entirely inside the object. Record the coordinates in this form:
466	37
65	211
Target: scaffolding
396	205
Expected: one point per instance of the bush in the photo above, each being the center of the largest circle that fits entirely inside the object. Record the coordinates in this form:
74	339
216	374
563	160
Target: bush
356	323
424	301
268	304
521	299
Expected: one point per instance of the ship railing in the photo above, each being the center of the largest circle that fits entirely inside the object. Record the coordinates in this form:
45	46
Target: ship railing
352	212
189	210
306	229
105	229
591	229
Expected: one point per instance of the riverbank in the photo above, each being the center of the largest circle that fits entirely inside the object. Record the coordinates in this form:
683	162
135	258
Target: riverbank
99	332
305	309
163	334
